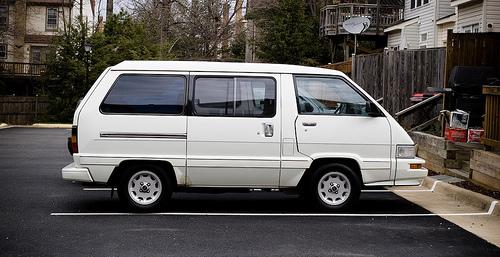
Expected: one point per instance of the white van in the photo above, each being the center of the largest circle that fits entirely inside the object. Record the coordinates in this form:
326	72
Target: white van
153	127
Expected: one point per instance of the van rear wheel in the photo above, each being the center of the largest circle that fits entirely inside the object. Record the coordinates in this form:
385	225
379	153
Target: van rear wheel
335	187
144	187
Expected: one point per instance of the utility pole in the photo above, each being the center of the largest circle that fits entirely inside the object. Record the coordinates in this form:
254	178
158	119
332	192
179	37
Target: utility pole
82	28
109	9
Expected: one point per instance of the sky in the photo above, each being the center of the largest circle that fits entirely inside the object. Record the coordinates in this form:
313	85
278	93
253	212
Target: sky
100	8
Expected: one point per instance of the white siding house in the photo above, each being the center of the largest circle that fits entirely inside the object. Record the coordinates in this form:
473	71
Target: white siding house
404	35
477	16
419	28
394	39
444	25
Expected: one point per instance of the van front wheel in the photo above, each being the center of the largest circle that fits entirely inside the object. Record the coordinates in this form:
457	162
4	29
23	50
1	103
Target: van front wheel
335	187
144	187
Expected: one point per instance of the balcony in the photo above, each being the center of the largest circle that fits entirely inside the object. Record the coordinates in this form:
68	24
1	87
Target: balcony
22	69
380	15
50	3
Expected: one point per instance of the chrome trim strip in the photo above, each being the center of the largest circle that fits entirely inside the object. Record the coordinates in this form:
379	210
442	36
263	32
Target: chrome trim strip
142	135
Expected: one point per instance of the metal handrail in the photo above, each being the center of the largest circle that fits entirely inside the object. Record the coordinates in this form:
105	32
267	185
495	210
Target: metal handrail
418	105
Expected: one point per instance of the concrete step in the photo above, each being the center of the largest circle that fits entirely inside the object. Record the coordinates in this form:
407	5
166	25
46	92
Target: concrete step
466	166
459	173
446	178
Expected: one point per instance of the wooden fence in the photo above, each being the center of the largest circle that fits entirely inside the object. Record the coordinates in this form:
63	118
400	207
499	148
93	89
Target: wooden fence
345	67
478	49
472	49
21	110
396	75
492	118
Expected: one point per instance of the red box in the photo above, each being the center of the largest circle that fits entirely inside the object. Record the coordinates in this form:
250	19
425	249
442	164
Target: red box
474	135
455	134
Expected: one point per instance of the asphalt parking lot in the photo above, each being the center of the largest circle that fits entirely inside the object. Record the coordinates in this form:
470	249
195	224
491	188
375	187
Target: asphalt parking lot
254	224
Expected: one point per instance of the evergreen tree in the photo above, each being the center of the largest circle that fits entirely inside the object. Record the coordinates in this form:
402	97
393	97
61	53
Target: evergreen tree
288	33
67	76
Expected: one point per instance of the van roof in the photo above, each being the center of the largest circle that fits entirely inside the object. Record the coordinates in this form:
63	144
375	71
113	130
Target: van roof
220	67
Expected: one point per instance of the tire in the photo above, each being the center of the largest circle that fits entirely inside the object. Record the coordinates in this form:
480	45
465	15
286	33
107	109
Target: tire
144	187
334	187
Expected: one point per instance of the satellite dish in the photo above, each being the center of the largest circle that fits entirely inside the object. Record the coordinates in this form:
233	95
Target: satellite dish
356	25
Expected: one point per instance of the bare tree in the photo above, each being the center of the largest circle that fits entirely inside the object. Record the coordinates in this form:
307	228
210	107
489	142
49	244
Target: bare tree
195	29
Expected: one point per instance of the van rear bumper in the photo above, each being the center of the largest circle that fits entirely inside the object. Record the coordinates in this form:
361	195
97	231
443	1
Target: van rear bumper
73	173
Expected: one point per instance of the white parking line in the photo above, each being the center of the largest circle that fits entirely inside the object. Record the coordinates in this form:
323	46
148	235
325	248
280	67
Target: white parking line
364	191
489	212
269	214
405	190
97	189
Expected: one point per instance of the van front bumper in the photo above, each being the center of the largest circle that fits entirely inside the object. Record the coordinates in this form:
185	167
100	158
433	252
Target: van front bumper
405	175
74	173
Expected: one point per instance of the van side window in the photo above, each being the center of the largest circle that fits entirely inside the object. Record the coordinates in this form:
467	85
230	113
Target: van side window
158	94
328	96
214	96
234	97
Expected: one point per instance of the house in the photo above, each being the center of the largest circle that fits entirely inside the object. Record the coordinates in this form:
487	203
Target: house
477	16
425	25
27	27
381	13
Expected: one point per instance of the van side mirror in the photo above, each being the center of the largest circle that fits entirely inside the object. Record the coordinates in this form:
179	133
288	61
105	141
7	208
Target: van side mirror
308	107
372	110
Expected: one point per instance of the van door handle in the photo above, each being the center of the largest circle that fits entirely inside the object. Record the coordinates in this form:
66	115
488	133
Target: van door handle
268	130
309	124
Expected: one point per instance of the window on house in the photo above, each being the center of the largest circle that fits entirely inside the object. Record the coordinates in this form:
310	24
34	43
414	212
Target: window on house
4	17
423	37
474	28
417	3
3	51
38	54
52	15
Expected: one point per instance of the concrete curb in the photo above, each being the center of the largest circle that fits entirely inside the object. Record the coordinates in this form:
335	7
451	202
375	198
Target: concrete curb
49	125
465	196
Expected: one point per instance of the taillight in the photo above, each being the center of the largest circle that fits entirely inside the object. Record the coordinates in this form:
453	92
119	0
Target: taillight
73	141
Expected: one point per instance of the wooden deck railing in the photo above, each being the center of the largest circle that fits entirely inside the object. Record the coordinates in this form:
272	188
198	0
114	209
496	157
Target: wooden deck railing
333	16
492	119
22	69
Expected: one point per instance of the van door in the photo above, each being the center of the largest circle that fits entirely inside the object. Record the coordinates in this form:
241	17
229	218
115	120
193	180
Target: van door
234	131
333	122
